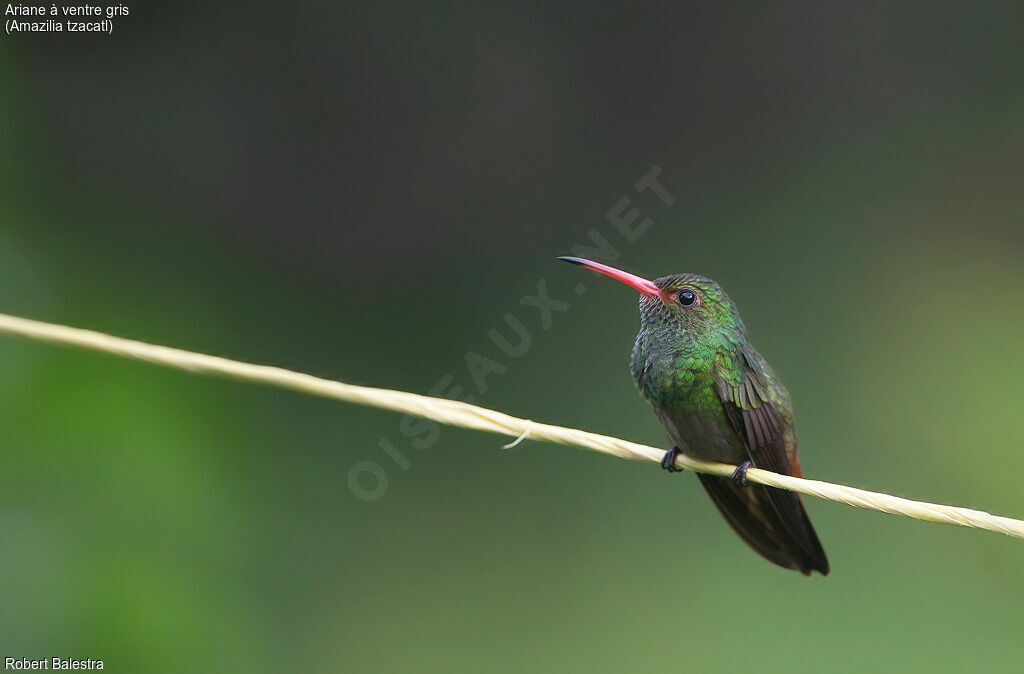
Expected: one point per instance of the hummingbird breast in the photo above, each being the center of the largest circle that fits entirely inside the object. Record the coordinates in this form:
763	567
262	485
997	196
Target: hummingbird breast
679	382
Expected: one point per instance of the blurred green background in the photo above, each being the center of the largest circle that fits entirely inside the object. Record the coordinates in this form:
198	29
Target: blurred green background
363	193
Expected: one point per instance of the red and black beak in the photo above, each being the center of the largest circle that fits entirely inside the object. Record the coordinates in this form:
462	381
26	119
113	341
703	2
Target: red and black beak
641	284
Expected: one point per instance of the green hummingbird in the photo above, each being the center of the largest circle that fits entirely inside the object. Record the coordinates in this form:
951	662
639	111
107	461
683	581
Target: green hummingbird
719	400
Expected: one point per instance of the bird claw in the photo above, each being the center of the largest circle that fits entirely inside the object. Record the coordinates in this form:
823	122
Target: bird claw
739	476
668	462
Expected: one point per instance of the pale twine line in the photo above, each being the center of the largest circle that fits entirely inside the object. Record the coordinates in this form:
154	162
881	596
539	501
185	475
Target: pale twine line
461	414
522	436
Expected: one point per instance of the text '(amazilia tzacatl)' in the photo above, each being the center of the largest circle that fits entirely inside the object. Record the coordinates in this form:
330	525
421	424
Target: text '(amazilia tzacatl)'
719	400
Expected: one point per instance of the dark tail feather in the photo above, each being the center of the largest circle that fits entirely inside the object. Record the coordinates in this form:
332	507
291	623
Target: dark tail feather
771	521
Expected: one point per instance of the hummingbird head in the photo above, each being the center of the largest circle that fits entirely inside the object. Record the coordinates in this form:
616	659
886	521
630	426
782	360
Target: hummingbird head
686	320
677	306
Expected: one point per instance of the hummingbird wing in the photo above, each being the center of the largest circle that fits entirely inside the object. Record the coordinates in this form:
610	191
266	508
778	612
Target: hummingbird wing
772	521
758	418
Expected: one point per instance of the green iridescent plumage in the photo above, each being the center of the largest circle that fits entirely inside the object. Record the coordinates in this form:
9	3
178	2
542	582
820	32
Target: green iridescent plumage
720	401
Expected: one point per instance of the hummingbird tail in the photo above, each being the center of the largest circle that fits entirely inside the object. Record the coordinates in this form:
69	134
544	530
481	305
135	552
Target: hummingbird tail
771	521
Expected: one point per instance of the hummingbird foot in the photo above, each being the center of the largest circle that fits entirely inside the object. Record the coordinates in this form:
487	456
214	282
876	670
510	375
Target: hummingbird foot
668	462
739	476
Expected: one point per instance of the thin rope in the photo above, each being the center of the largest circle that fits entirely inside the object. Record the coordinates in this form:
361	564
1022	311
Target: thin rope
522	436
464	415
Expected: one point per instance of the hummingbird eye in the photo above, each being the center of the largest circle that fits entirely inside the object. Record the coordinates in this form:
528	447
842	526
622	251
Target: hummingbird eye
686	298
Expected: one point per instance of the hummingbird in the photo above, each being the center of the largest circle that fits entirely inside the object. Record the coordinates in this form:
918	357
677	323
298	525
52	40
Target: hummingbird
719	400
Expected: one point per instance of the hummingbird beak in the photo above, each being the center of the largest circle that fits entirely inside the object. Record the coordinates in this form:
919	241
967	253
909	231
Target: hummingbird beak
641	284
